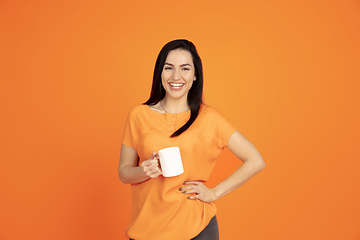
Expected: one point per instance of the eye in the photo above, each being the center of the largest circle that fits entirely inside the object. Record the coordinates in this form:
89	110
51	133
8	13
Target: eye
186	69
168	68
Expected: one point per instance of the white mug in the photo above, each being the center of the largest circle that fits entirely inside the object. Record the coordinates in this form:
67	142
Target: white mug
170	161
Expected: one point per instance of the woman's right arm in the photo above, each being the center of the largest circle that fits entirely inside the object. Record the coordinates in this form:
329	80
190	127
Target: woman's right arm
129	172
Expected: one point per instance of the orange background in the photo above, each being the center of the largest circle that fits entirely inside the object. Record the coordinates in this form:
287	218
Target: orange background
285	73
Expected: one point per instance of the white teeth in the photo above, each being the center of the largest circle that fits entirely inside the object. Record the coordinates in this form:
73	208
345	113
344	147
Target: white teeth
177	85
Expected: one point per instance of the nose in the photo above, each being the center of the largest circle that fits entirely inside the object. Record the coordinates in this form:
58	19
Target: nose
177	75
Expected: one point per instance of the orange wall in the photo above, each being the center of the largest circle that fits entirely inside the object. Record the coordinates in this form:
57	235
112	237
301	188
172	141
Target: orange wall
285	73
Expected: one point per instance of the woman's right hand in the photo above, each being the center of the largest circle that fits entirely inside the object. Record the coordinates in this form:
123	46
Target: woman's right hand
151	167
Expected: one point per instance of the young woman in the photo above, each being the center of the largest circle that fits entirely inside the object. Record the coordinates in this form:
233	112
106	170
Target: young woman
180	207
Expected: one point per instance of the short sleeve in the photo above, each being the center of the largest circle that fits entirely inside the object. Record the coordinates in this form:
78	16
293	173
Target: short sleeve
128	134
224	129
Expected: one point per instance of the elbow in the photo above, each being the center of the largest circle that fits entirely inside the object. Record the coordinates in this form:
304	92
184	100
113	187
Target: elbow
122	179
261	164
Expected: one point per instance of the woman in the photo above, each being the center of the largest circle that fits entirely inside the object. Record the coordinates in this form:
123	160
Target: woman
180	207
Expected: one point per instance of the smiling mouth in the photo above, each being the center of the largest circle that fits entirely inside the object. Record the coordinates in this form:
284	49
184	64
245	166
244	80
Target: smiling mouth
176	85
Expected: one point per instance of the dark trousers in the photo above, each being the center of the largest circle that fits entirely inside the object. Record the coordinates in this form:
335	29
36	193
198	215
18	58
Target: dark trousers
210	232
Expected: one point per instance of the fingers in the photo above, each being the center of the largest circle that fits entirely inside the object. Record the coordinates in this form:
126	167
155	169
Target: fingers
155	175
149	163
154	155
151	167
152	170
192	183
197	190
192	193
193	197
191	187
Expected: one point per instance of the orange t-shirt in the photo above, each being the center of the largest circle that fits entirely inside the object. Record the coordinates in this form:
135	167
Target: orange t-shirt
160	211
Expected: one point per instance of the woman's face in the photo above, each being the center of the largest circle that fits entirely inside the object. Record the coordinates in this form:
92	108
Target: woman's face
178	73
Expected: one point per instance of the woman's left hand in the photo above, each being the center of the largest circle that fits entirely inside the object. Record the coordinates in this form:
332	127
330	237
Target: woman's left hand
197	190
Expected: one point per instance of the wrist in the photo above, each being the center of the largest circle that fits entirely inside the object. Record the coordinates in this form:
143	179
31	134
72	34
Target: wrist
216	194
141	172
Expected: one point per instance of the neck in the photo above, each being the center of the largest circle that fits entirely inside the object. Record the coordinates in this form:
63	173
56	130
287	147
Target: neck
172	105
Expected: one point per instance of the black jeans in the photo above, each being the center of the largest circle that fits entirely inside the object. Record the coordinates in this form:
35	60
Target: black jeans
210	232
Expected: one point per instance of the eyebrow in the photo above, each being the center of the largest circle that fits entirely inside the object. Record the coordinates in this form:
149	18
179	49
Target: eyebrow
182	65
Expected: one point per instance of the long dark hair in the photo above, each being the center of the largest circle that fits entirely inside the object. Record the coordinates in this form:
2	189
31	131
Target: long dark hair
194	97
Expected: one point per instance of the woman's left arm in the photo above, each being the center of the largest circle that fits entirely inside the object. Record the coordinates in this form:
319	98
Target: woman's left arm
252	164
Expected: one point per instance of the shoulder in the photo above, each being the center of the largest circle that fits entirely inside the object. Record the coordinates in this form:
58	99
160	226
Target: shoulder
139	108
216	123
210	115
138	111
207	111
